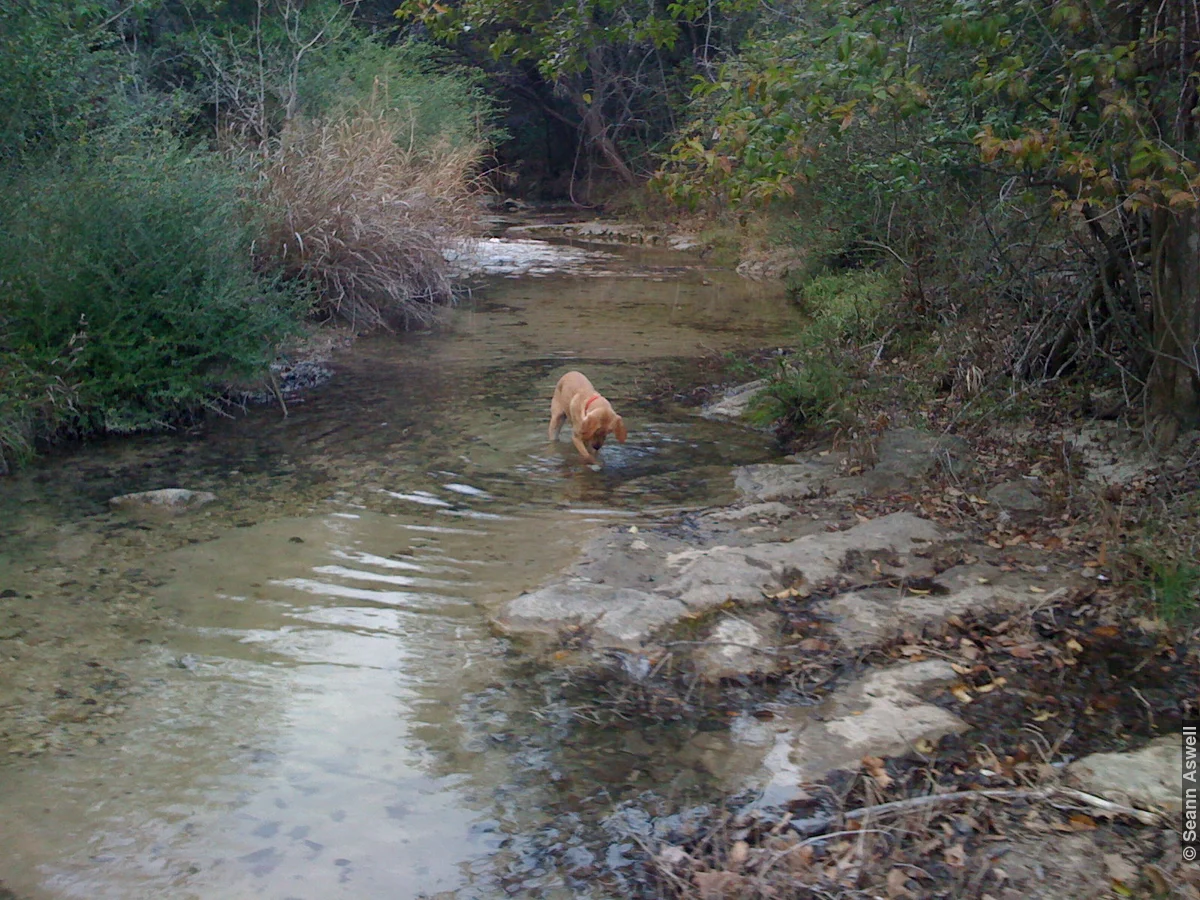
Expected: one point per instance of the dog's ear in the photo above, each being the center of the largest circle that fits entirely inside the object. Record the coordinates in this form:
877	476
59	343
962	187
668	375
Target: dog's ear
619	429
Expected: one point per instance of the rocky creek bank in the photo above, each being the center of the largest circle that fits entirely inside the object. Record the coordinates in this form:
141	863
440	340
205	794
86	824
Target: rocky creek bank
897	621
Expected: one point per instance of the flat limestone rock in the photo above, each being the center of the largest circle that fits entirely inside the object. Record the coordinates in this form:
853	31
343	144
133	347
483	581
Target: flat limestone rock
878	715
755	511
866	617
1150	778
707	578
800	480
1015	495
611	616
738	646
165	499
735	401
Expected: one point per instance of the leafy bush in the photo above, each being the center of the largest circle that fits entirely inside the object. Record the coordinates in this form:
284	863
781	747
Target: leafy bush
438	104
816	386
57	78
355	211
128	290
845	306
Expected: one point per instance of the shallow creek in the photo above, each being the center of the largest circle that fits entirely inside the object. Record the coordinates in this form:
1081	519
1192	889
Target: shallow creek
316	705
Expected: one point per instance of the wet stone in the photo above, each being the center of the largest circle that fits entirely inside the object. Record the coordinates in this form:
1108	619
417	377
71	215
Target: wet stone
164	499
734	402
796	481
738	646
611	616
881	714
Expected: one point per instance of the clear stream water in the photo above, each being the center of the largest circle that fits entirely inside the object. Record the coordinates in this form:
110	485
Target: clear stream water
321	710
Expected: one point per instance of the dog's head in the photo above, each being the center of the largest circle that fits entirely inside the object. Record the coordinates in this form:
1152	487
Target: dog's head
598	424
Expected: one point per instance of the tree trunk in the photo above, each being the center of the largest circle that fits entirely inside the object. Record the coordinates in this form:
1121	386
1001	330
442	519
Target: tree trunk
593	128
1173	386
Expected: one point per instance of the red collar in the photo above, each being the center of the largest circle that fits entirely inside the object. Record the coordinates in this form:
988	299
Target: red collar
592	399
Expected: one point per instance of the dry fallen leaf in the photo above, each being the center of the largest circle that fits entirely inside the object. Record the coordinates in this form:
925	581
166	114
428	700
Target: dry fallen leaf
814	645
955	856
896	884
789	593
718	885
991	686
739	853
1081	822
672	856
875	768
961	693
1043	715
1074	646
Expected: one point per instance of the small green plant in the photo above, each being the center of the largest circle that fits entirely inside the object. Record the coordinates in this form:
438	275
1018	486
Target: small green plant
1174	588
813	393
846	306
816	386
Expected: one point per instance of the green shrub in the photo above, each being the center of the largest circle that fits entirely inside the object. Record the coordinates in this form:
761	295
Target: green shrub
813	391
127	283
817	386
57	76
845	307
438	104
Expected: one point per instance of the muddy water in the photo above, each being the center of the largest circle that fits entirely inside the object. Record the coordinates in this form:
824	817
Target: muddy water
315	706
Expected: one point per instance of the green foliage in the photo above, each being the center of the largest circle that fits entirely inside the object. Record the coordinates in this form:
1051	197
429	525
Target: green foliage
617	68
1174	589
128	285
816	386
58	73
813	392
1060	89
437	102
845	307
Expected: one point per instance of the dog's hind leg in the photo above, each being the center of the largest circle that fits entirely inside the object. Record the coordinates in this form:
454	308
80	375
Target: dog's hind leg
558	415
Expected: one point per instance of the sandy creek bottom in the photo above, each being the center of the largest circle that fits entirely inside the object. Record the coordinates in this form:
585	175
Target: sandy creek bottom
318	707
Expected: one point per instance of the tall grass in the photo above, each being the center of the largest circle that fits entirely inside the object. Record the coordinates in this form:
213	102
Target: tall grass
357	209
127	291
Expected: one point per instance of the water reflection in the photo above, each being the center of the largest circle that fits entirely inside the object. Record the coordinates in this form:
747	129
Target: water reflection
331	715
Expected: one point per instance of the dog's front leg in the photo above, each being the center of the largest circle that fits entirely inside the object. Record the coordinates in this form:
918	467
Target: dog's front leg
583	449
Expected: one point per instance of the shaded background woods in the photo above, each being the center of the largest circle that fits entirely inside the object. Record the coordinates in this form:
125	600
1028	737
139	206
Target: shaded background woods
1005	190
188	181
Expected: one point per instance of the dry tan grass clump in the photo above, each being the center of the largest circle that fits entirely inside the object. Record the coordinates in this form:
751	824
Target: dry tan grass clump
360	214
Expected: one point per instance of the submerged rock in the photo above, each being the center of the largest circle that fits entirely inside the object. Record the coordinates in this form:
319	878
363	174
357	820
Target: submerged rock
166	499
734	402
878	715
609	616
